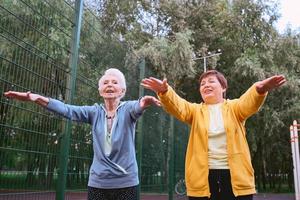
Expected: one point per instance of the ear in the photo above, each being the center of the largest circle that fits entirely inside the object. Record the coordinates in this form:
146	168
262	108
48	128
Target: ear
224	92
122	92
99	91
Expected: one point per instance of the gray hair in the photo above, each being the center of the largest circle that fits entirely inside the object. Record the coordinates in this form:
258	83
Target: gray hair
117	73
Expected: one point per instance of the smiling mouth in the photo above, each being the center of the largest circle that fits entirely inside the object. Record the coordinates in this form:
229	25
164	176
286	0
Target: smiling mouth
109	91
207	91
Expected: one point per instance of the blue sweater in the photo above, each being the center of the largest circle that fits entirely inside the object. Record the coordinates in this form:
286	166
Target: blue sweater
118	169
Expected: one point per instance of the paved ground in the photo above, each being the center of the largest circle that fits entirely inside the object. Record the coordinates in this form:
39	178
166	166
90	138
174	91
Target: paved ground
82	196
274	197
256	197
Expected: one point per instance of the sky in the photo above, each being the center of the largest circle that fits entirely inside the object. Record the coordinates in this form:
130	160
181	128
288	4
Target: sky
289	10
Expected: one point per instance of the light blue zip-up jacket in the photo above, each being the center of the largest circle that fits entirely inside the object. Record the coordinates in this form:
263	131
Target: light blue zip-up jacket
118	169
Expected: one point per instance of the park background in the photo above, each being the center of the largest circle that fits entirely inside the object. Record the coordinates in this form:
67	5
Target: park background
60	49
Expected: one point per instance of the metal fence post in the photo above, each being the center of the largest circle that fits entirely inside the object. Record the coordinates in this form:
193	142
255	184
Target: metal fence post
171	159
140	127
296	159
73	63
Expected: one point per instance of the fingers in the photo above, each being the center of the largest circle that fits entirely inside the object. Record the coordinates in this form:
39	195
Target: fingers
8	94
279	80
147	83
23	96
155	80
278	77
147	86
155	84
158	103
152	80
274	82
165	83
152	100
280	83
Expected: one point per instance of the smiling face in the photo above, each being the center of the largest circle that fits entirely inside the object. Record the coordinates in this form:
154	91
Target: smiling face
211	89
110	87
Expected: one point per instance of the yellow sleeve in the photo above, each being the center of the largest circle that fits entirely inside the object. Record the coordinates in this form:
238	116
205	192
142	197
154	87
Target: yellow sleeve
249	103
177	106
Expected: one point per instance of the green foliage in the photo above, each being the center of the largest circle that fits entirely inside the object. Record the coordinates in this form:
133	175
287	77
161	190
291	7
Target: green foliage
171	58
34	55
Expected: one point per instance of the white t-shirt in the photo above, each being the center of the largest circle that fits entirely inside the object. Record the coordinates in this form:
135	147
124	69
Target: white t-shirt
217	142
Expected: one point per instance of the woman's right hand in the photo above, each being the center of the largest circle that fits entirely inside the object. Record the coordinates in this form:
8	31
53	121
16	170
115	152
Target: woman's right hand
21	96
156	85
27	96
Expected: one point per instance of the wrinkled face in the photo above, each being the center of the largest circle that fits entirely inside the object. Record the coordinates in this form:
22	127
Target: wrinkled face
110	87
211	90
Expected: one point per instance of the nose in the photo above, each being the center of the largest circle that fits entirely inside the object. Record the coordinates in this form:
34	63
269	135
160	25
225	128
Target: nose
109	83
205	85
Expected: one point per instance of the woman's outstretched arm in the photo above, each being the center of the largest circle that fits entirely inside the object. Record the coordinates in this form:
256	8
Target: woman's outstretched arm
251	101
171	102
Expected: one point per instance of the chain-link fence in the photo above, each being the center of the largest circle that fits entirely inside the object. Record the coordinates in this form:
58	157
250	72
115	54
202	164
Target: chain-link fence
43	156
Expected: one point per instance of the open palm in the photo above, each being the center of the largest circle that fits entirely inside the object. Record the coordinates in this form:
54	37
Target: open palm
21	96
156	85
270	83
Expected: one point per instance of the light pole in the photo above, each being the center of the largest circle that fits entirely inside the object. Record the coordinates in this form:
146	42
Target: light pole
209	55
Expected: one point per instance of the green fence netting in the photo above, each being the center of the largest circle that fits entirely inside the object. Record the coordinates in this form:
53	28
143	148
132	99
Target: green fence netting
43	156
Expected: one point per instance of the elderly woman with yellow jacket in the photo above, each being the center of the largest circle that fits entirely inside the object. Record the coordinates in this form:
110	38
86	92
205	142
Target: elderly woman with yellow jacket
218	164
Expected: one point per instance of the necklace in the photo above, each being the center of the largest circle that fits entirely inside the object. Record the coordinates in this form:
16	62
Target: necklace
109	117
110	120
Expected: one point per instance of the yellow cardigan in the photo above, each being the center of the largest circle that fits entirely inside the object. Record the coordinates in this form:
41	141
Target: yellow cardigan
234	113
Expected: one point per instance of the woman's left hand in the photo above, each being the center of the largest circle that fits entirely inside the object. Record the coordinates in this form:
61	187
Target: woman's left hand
269	84
149	100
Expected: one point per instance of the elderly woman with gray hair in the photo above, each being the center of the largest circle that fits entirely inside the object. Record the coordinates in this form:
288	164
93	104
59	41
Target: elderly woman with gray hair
114	172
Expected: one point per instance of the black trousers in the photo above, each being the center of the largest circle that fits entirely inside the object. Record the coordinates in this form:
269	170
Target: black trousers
129	193
220	187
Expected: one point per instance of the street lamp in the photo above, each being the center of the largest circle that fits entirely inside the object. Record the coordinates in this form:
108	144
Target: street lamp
209	55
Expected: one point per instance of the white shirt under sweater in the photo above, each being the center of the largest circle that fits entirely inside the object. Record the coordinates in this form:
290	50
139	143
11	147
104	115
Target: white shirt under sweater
108	135
217	142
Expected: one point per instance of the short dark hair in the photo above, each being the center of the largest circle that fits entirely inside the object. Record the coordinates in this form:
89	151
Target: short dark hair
221	78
